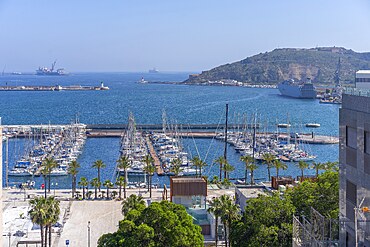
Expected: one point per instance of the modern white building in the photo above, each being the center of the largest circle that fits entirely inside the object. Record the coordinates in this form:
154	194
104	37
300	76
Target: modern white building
363	79
243	194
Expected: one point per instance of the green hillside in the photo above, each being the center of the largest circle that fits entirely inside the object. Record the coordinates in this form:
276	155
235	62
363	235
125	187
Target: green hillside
319	64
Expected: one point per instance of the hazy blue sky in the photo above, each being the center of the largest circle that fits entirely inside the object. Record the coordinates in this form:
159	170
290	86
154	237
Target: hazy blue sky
188	35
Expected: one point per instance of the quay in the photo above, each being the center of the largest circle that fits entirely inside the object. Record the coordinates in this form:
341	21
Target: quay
192	131
54	88
181	127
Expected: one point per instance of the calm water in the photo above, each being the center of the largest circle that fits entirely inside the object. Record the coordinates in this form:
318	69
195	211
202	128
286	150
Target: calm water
183	104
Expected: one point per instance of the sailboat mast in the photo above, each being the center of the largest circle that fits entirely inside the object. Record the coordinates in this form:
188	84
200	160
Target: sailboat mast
254	135
226	126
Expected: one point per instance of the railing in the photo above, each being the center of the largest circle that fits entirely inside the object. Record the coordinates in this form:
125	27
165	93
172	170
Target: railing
357	91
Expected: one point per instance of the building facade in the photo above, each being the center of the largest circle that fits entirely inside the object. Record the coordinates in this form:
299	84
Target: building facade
354	159
363	79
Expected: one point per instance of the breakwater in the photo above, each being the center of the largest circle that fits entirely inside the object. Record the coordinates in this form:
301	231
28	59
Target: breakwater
54	88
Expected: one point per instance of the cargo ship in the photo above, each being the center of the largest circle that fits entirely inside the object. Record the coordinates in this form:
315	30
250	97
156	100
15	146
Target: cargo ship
293	89
50	71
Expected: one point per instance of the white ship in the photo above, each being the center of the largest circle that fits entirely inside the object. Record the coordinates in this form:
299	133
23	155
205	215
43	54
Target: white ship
294	89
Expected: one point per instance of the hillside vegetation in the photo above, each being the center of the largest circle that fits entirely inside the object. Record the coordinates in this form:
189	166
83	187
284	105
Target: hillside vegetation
319	64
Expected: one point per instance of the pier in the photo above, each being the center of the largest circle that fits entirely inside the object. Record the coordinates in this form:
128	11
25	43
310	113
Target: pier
154	155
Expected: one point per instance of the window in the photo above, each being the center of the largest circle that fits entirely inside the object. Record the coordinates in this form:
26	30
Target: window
351	137
351	192
367	142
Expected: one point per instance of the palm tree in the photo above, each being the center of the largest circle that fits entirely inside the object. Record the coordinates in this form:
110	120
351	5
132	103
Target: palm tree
99	164
38	214
132	202
53	211
49	164
108	184
252	167
96	184
227	169
268	159
302	165
201	164
220	160
195	160
176	166
84	183
120	182
331	166
44	171
247	159
279	165
215	208
73	170
149	169
148	160
229	213
124	164
317	166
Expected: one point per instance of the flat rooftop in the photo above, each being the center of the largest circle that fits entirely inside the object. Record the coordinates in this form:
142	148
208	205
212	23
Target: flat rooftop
363	72
252	192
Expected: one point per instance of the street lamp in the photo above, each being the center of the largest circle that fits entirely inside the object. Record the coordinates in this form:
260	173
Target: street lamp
9	235
54	186
88	234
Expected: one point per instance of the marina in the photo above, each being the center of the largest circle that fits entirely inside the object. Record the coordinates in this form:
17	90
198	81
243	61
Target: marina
66	142
61	143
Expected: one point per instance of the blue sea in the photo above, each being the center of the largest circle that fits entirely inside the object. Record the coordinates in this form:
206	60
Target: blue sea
182	103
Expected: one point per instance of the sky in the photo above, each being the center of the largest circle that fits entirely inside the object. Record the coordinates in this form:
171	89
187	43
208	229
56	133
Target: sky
188	35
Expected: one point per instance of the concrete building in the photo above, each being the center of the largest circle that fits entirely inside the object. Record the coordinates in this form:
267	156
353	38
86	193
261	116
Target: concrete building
363	79
354	159
192	194
242	194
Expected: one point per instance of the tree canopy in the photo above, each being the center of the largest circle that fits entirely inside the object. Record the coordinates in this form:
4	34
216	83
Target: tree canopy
267	220
160	224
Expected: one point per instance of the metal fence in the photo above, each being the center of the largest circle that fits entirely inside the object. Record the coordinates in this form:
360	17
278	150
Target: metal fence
315	230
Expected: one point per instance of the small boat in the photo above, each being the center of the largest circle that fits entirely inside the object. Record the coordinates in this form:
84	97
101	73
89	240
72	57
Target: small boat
58	172
143	81
313	125
283	125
